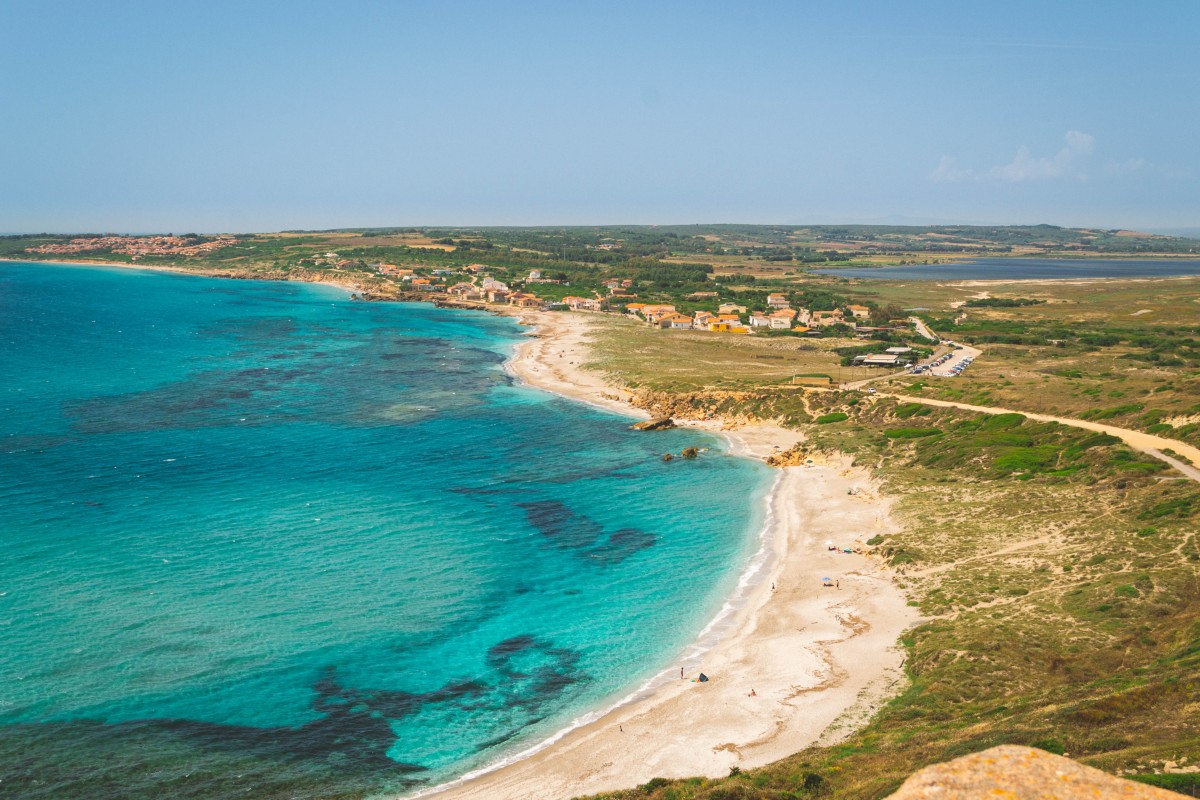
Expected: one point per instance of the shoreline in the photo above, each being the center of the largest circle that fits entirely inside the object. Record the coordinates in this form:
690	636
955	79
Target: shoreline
348	285
818	660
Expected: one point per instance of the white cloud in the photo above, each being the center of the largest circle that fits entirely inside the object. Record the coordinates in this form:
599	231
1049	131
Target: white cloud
1071	162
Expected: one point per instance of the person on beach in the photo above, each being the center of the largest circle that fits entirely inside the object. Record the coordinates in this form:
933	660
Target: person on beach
752	693
681	673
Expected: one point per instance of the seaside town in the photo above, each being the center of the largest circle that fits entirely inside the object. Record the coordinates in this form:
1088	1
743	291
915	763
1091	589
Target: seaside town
137	246
825	378
600	401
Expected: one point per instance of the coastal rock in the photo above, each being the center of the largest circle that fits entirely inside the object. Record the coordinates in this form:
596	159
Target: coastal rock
792	457
654	424
1020	773
690	452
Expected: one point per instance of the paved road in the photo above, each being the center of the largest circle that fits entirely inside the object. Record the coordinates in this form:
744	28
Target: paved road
923	329
1144	442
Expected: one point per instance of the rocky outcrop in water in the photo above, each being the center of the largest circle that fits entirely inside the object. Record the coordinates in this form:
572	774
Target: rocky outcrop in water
654	424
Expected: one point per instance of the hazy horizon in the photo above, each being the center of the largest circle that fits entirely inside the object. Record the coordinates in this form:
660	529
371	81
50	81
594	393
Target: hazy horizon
135	116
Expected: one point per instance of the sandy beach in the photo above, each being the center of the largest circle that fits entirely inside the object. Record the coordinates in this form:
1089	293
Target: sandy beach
801	663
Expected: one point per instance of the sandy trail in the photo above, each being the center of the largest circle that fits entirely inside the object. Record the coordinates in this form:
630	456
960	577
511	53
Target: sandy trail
800	662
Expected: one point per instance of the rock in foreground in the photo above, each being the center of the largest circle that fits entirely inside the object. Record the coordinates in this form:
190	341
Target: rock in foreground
1021	773
655	424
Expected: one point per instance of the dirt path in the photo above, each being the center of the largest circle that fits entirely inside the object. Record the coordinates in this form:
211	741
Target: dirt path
1145	442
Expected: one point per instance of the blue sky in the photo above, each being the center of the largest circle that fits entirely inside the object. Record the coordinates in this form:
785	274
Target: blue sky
221	116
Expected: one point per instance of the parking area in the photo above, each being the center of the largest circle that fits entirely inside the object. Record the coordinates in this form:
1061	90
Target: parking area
949	365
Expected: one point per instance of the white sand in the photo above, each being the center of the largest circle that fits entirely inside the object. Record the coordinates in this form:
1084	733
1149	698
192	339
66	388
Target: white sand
818	660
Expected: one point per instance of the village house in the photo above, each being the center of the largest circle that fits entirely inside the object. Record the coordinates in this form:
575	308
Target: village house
821	318
777	300
653	313
496	295
701	319
475	268
859	312
524	300
782	319
466	291
583	303
615	283
702	296
491	283
759	320
675	322
803	316
727	326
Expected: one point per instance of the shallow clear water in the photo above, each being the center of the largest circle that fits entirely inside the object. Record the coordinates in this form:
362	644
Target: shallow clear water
260	540
1024	269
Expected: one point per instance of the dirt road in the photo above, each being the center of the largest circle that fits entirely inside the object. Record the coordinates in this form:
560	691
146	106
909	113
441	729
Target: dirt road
1144	442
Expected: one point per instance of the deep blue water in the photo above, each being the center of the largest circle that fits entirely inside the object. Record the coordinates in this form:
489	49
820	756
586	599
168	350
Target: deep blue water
1024	269
258	540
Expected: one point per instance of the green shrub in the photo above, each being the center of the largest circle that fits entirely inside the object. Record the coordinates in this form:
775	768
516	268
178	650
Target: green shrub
1026	459
1185	784
1049	745
912	433
1003	422
836	416
907	410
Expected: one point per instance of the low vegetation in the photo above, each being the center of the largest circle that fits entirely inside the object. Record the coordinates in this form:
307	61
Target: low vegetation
1058	577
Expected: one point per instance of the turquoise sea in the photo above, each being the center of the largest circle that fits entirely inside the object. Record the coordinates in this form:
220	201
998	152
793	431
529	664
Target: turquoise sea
261	541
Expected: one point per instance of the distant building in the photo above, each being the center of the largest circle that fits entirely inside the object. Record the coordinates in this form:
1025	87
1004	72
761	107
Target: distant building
782	319
877	360
859	312
821	318
758	320
675	322
583	303
524	300
777	300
